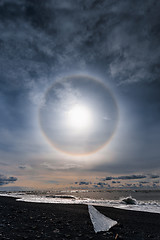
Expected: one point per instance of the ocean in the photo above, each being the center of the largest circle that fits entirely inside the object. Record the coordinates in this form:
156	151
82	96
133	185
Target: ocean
137	200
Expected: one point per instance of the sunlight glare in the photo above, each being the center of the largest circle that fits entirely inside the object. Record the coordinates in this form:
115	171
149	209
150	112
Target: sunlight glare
79	117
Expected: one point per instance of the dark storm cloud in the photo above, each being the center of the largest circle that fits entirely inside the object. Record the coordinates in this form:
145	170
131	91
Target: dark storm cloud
6	180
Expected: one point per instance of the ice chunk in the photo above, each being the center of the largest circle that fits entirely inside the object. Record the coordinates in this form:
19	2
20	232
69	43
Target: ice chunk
129	200
99	221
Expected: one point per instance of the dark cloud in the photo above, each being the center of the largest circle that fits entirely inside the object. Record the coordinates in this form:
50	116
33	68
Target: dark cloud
128	184
6	180
22	167
143	182
155	185
113	182
120	36
83	183
156	182
154	176
108	178
101	185
116	40
129	177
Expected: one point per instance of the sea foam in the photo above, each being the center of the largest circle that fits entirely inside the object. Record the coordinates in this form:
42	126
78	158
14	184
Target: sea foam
128	203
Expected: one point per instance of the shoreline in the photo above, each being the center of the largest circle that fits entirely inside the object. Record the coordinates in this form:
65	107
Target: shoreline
26	220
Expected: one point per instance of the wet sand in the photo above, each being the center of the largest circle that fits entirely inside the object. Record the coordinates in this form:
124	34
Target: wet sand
22	220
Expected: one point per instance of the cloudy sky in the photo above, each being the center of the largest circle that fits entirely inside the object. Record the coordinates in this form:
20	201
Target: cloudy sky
114	42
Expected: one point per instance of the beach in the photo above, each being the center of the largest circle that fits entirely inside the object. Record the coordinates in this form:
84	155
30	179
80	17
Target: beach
25	220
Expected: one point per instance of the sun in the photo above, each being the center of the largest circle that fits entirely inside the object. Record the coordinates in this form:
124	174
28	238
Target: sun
79	117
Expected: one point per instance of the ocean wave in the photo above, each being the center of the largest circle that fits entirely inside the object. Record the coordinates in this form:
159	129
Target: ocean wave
126	203
61	196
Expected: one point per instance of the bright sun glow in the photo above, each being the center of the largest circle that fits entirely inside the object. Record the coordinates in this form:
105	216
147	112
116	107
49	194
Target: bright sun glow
79	117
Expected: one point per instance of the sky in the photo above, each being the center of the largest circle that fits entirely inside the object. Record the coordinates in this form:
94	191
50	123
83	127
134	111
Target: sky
59	59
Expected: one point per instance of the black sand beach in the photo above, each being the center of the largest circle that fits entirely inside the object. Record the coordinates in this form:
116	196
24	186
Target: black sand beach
21	220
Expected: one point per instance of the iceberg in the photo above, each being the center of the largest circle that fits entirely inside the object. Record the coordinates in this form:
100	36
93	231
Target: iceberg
129	200
99	221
